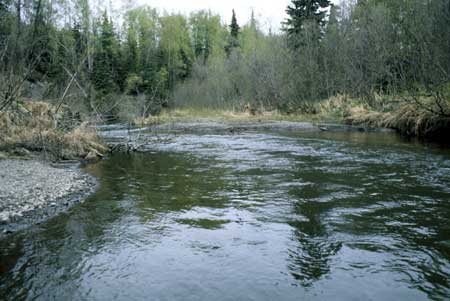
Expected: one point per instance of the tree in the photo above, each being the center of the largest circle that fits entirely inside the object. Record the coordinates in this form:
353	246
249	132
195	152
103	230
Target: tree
234	26
249	35
105	73
333	54
84	16
143	53
206	32
176	47
5	25
234	34
132	58
302	12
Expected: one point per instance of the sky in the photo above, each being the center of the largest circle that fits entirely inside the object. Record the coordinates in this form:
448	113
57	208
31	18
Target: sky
270	13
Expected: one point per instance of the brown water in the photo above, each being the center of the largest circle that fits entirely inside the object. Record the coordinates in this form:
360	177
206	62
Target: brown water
254	216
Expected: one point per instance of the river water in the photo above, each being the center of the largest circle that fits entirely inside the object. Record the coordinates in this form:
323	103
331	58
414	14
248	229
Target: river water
249	216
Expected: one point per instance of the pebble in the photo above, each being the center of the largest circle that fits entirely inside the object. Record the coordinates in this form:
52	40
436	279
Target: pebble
28	187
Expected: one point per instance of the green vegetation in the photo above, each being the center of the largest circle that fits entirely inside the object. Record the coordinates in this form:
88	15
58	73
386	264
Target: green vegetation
391	57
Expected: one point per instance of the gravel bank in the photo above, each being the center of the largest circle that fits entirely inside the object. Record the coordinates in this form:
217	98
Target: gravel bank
33	191
118	131
121	131
236	126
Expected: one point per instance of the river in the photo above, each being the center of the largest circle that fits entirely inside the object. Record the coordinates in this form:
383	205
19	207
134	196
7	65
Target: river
257	215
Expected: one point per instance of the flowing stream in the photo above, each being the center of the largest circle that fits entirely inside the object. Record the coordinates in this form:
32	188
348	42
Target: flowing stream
248	216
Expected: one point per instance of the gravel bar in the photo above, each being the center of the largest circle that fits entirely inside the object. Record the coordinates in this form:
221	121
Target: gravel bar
32	191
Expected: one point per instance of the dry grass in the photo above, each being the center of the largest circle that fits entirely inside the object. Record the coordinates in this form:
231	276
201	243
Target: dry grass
195	115
407	118
33	126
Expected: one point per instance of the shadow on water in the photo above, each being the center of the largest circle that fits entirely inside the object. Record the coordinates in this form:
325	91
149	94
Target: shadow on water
251	216
310	259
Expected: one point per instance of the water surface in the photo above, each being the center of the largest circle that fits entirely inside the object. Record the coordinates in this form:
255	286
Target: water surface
251	216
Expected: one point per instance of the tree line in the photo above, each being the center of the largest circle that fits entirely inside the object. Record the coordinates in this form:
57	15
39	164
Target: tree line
141	60
399	49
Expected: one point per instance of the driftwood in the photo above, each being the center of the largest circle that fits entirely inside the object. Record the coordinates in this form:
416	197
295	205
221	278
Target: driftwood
123	148
136	145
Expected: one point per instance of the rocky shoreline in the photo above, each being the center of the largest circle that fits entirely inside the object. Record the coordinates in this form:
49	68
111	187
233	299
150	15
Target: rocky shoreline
32	191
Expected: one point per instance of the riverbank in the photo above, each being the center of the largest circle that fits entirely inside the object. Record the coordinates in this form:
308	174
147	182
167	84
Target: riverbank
41	146
191	115
41	128
33	191
425	119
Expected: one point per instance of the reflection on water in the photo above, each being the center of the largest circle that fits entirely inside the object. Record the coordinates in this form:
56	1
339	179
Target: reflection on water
253	216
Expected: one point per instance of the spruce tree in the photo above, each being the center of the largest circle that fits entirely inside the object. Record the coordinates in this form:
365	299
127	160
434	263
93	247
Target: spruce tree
234	26
302	11
234	34
105	63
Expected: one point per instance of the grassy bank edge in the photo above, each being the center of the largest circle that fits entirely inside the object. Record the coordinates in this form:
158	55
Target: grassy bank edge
409	119
196	115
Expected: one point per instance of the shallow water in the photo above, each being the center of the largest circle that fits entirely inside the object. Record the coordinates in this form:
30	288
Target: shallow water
253	216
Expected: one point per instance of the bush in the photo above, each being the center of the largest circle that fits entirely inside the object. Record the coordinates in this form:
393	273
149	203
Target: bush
134	84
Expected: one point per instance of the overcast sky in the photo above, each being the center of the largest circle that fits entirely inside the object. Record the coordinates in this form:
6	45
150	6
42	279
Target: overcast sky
270	13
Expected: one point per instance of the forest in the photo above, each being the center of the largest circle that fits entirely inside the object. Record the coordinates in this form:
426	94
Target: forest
375	62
